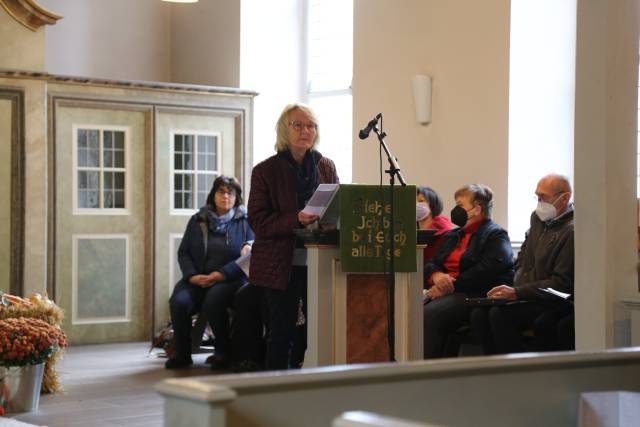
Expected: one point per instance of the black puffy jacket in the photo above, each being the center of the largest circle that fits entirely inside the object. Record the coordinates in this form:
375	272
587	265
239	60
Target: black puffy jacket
487	262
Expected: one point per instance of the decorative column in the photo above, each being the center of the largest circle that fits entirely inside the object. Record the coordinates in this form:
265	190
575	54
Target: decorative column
605	165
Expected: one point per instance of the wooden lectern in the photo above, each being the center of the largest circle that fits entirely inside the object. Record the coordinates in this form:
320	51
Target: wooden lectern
347	286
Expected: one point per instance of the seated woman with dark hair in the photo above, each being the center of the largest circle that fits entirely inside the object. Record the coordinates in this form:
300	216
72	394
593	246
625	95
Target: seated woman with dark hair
472	259
428	217
215	238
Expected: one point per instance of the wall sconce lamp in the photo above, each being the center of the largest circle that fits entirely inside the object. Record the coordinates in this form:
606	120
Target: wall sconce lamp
422	98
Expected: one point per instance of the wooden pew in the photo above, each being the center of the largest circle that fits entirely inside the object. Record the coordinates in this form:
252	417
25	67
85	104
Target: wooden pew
521	389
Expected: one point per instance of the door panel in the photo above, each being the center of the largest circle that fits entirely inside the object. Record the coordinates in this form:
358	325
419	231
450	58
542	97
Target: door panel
101	286
100	223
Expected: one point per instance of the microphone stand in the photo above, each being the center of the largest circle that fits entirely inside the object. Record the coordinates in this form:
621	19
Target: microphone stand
393	171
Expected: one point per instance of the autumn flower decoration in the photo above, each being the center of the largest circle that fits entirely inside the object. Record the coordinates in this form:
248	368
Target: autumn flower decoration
28	341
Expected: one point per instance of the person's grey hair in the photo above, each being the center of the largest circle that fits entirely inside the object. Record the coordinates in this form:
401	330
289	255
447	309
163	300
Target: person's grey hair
478	194
282	125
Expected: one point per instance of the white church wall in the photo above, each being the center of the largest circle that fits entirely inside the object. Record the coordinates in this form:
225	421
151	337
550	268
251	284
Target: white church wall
205	43
464	46
118	39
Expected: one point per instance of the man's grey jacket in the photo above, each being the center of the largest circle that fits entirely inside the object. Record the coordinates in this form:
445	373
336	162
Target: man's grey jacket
546	259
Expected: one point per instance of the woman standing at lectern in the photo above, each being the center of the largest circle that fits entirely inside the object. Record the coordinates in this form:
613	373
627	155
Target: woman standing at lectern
280	187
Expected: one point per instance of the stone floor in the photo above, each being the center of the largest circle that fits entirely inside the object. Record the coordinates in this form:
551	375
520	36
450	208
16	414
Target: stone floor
109	385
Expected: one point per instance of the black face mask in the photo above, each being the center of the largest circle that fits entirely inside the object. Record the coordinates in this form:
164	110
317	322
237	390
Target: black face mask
459	216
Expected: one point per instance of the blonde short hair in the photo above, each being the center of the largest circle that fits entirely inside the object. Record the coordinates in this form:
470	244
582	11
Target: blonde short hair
282	126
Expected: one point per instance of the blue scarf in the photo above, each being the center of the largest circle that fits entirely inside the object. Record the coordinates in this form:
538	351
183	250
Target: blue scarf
218	224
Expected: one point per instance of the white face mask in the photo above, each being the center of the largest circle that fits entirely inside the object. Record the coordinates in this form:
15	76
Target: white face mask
546	211
422	211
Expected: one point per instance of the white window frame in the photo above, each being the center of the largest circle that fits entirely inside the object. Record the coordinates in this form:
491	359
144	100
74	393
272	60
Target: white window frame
74	281
308	85
217	172
127	171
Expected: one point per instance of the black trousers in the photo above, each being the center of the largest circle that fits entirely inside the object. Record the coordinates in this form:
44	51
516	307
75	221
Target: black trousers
442	317
499	329
286	342
247	329
214	302
567	333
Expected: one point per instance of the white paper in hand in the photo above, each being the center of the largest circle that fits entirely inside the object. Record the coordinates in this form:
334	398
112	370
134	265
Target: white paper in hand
321	199
556	293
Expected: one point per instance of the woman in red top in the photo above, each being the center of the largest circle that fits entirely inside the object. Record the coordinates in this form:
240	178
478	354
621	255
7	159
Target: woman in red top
472	259
429	218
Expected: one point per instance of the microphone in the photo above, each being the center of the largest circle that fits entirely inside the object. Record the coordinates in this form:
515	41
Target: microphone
364	133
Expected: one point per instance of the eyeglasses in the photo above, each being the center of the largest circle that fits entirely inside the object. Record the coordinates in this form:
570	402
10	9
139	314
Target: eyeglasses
298	126
224	192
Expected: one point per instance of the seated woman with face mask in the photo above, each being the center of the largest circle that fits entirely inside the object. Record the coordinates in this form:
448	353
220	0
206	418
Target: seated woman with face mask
429	217
472	259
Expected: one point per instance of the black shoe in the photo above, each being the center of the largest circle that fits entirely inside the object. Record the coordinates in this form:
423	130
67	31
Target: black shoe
217	362
178	363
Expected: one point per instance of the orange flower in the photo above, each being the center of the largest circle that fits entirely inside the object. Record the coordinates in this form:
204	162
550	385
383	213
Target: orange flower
28	341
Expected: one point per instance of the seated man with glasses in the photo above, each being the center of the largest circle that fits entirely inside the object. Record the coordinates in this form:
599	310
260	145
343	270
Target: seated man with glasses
545	262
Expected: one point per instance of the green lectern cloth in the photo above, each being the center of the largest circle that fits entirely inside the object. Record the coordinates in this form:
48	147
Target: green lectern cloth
365	228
